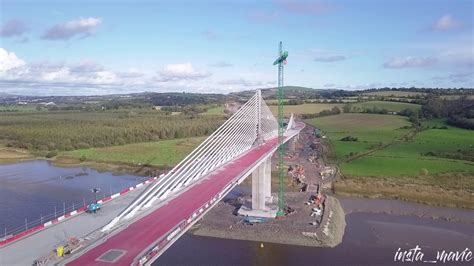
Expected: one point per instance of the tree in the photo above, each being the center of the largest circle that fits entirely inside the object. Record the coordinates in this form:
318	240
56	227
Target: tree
347	108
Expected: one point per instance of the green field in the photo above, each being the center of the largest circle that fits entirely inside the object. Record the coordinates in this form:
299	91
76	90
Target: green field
433	166
408	158
158	153
380	150
306	108
17	108
216	110
370	129
389	106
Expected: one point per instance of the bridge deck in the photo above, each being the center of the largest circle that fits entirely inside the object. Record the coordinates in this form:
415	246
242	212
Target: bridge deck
141	234
26	250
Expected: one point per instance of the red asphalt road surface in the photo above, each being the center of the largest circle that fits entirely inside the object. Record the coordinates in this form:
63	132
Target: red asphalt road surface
138	236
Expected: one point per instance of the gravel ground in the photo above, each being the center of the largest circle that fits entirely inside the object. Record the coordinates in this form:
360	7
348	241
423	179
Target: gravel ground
294	229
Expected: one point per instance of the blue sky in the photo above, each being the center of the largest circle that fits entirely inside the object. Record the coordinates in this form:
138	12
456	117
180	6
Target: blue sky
100	47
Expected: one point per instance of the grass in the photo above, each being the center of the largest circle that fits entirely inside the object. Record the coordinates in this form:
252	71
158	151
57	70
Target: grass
434	166
380	150
216	110
306	108
17	108
390	106
158	153
370	129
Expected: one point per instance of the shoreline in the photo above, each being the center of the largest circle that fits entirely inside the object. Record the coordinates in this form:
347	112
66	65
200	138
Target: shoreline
352	204
113	167
15	156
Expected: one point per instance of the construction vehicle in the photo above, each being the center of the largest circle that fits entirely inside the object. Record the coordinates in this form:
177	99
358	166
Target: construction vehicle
251	220
93	207
317	132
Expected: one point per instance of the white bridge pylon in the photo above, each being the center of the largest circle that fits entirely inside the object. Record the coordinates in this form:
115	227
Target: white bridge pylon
251	125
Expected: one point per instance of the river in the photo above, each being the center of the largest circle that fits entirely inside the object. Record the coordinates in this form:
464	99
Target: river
31	189
34	189
375	230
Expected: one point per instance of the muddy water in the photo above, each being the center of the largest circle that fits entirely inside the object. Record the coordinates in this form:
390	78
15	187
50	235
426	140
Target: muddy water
370	239
30	190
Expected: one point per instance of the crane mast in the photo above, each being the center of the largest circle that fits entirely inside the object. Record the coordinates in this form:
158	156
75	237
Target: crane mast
281	60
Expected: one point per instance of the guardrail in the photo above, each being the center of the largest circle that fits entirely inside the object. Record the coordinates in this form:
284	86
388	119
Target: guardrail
66	212
162	243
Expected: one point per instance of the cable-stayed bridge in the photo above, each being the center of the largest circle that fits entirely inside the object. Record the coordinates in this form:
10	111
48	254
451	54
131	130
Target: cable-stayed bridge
169	206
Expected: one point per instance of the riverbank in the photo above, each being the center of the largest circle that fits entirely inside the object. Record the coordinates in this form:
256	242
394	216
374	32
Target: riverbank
402	208
13	155
114	167
144	159
417	190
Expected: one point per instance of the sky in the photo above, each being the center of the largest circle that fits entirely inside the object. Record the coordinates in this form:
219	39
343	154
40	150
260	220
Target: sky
103	47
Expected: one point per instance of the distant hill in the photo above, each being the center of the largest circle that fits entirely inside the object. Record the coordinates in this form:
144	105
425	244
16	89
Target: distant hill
2	95
296	92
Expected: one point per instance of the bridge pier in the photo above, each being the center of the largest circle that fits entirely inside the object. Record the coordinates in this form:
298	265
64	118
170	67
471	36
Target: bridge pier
261	192
268	179
258	187
292	143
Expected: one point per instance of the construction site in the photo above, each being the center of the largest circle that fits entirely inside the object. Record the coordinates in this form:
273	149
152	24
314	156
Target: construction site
312	216
301	212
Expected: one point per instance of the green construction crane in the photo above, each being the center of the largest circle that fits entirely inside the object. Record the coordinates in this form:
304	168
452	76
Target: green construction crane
280	61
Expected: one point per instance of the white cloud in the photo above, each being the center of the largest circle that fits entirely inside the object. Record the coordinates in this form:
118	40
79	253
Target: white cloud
89	77
16	76
446	22
13	28
82	27
9	61
176	72
410	61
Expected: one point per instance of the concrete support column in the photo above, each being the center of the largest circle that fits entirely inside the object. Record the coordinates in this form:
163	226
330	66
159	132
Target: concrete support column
268	179
258	188
292	143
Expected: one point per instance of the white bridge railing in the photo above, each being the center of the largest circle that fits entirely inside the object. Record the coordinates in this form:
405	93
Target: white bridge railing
251	125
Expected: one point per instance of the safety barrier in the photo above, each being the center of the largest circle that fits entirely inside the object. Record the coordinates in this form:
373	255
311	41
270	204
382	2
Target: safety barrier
52	219
180	228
